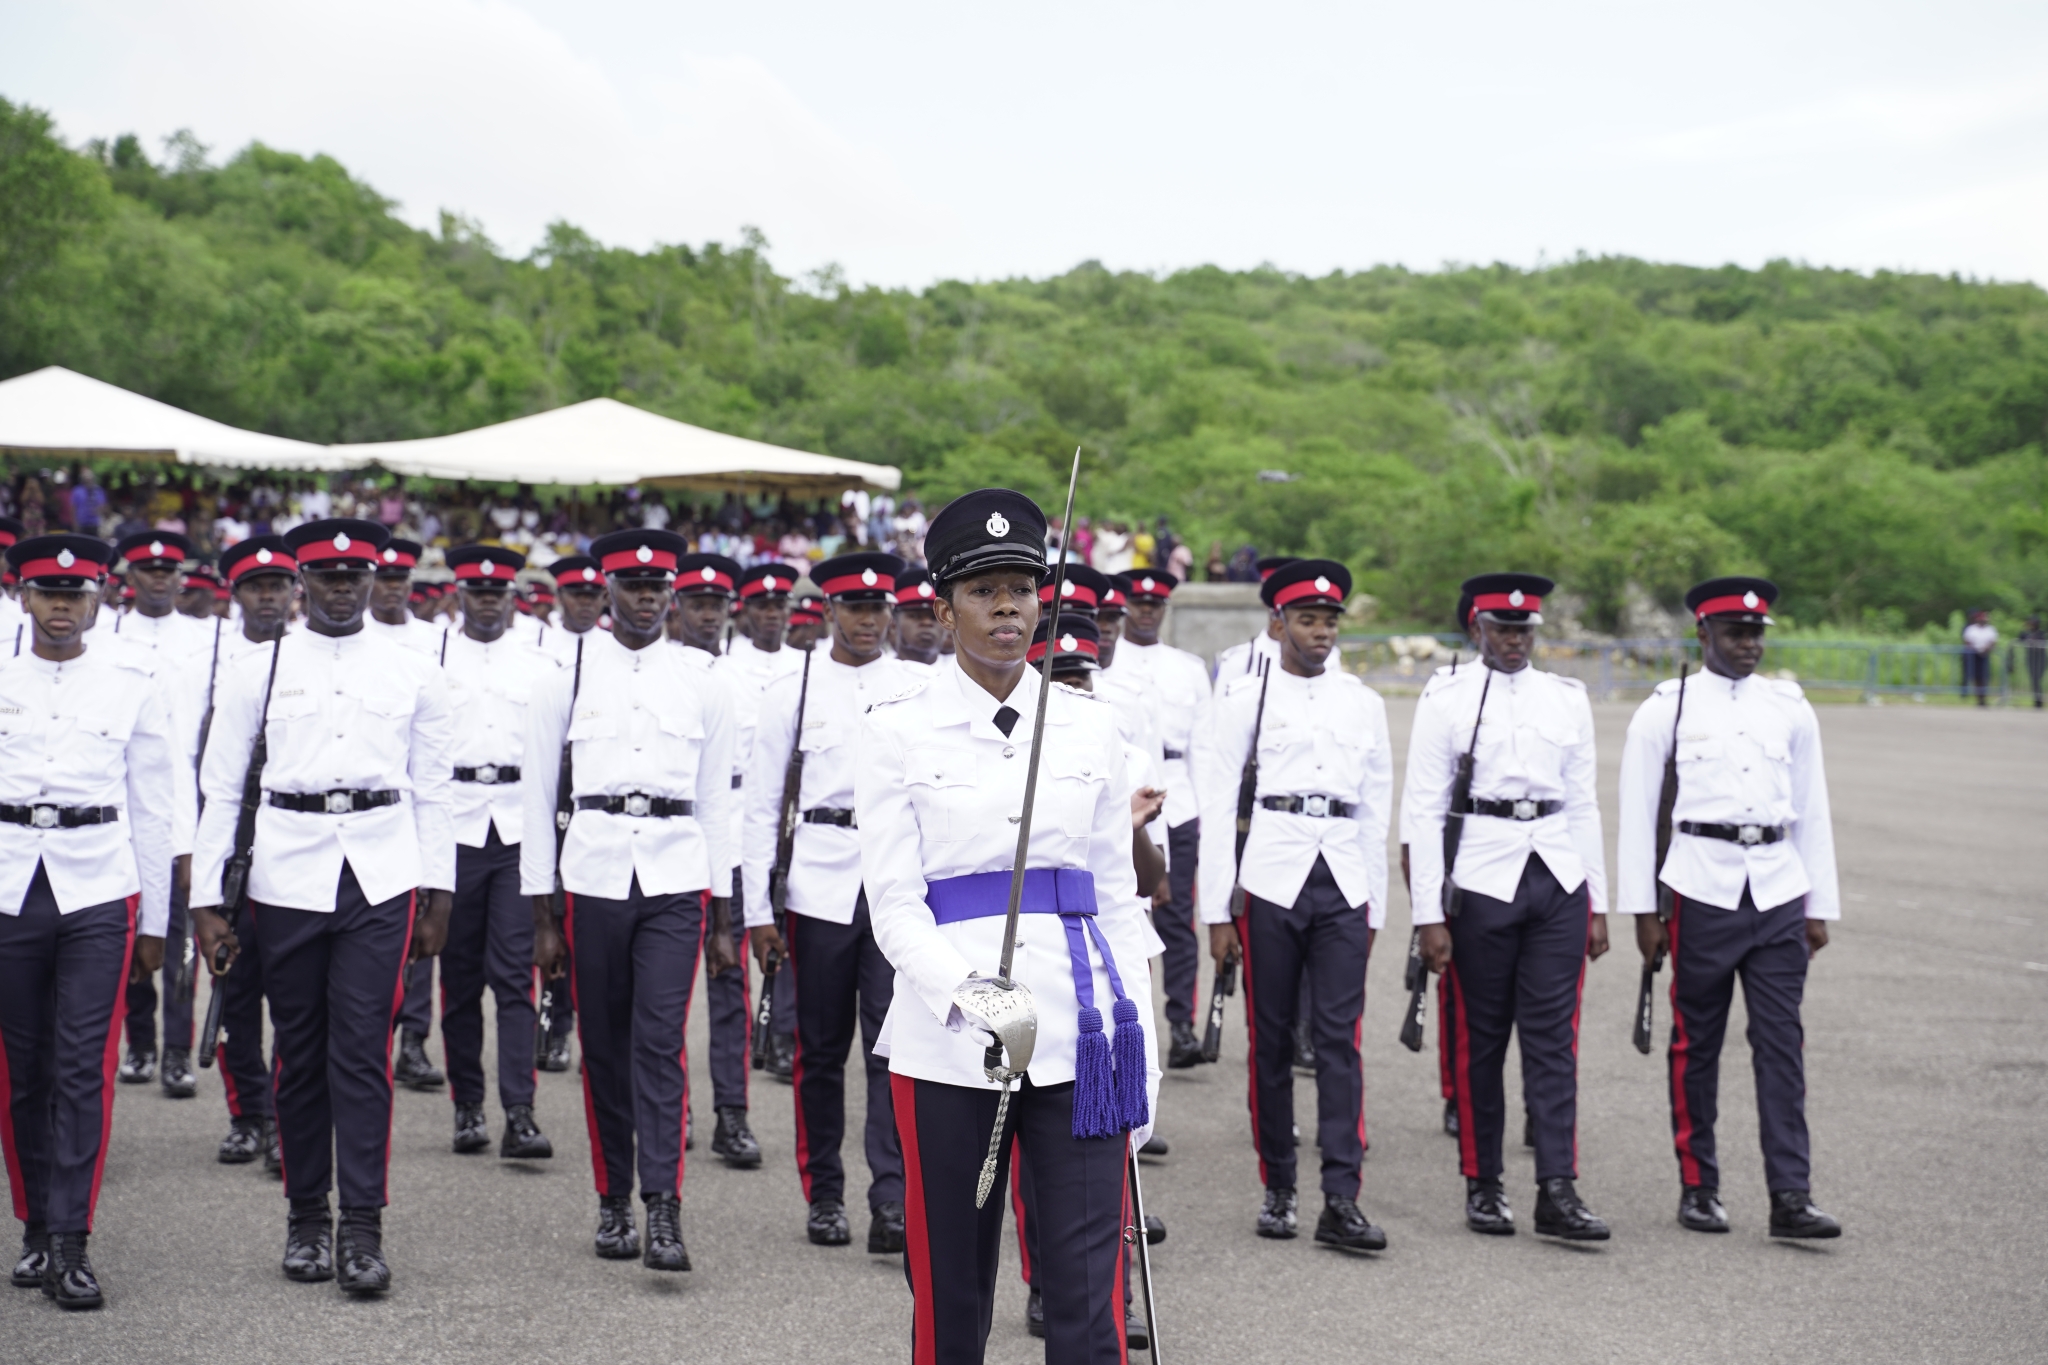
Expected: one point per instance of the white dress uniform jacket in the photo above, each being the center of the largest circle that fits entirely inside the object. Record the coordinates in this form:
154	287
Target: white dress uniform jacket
745	693
762	666
490	687
1241	659
561	644
1748	754
1536	742
414	634
92	731
1139	730
649	721
1178	683
824	869
1322	736
348	712
939	790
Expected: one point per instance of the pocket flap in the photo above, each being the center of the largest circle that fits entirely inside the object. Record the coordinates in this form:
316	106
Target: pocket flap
930	767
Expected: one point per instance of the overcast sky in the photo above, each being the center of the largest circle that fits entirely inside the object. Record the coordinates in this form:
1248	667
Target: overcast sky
912	141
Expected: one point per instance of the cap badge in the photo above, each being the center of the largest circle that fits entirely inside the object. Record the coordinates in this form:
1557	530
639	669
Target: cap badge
924	590
65	559
1146	583
998	525
264	556
1749	599
645	554
156	549
390	555
341	542
1515	598
1069	643
867	576
1067	588
769	584
1322	583
490	567
707	573
589	574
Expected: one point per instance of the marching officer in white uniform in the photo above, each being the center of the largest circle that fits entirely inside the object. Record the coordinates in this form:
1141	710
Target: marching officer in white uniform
353	871
88	769
918	634
1751	875
1262	649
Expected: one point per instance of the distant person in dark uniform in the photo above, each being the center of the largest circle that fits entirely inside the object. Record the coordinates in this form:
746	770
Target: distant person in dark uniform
1980	639
2034	641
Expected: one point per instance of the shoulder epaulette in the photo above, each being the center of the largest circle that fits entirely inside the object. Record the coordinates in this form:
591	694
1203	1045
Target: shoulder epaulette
1569	681
916	686
1666	688
1786	687
1240	683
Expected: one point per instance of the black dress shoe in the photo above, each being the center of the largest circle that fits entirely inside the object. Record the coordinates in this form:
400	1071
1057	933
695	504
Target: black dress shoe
1185	1050
1344	1224
523	1140
137	1067
617	1238
1137	1336
1793	1215
1155	1229
242	1145
1277	1217
273	1149
1304	1051
1034	1313
554	1055
413	1070
177	1079
733	1140
359	1266
665	1234
68	1277
885	1229
1528	1129
35	1255
472	1134
1561	1213
782	1057
1451	1117
1486	1208
1699	1208
1154	1146
827	1225
309	1244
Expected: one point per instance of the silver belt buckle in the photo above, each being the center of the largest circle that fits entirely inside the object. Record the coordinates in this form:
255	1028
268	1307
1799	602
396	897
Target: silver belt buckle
1525	809
488	774
638	804
340	803
1316	805
1749	834
43	817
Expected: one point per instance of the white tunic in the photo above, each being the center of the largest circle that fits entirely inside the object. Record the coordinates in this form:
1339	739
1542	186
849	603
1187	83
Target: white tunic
415	634
1178	683
489	687
1245	658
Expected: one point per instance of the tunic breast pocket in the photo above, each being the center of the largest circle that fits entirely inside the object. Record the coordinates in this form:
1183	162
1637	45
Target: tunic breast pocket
941	784
105	737
1072	784
290	716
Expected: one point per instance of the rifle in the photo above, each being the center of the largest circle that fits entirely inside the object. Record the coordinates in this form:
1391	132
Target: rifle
1247	799
778	876
234	878
1416	977
182	981
1667	800
565	812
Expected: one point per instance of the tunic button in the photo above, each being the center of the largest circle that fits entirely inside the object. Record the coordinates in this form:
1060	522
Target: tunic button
1009	751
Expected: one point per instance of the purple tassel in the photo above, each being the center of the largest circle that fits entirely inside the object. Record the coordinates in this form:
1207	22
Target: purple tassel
1132	1111
1094	1097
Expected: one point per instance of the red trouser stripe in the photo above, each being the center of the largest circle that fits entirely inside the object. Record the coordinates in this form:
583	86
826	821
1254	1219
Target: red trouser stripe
1123	1264
589	1109
1357	1044
1251	1029
924	1349
1681	1046
796	1061
412	910
1461	1051
14	1182
110	1060
1443	1037
1017	1206
683	1046
1578	1008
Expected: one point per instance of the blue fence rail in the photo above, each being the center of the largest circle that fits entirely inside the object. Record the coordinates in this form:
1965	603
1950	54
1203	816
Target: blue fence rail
1831	670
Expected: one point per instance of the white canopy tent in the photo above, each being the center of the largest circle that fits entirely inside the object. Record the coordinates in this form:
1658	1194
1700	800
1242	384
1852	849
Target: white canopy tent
57	412
607	442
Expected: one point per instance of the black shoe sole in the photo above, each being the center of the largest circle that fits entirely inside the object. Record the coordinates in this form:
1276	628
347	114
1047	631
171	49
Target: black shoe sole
1034	1329
619	1253
183	1090
470	1146
1279	1234
74	1305
888	1244
1331	1239
1824	1235
543	1151
363	1289
680	1267
829	1239
1183	1061
235	1158
1574	1235
18	1282
423	1083
309	1276
1137	1340
744	1162
1491	1229
1691	1226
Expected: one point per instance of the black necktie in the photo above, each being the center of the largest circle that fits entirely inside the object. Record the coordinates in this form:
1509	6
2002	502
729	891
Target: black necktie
1006	719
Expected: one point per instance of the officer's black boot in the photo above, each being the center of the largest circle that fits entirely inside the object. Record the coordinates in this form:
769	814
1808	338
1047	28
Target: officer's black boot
826	1225
1793	1215
689	1129
273	1149
309	1242
554	1054
1344	1224
734	1140
523	1140
1561	1213
35	1255
242	1145
1154	1146
1277	1216
138	1066
1451	1117
782	1057
1186	1049
1137	1336
1034	1313
472	1134
359	1266
1699	1208
617	1238
1486	1208
1155	1229
1304	1049
68	1276
665	1234
177	1078
413	1070
885	1229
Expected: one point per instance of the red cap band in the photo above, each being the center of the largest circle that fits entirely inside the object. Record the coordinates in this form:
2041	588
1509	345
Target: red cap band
1505	601
1113	598
708	576
867	580
388	558
343	546
586	574
772	583
1071	593
222	592
155	549
1069	644
1714	606
804	616
261	560
1147	586
1321	589
57	568
918	596
645	557
490	570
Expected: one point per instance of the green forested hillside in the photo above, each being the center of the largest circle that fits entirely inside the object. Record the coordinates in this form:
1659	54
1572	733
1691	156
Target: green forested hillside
1873	442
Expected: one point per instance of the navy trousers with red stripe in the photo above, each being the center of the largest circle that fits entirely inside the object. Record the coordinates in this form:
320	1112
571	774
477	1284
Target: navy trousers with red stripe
61	998
334	981
1519	966
244	1076
1180	964
841	979
1710	948
416	1011
635	966
142	994
729	1013
1331	938
1024	1204
952	1248
490	941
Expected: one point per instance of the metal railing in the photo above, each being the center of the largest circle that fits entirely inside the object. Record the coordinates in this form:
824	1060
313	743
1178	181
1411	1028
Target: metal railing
1831	670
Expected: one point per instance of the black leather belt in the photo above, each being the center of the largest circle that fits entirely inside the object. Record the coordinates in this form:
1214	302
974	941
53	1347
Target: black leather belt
331	803
1734	834
59	817
829	815
1319	806
1524	809
1171	754
490	774
637	804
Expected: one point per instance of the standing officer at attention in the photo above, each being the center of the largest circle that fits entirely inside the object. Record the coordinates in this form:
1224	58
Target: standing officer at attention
843	984
492	671
88	768
1751	873
938	790
354	869
1315	872
582	597
1528	894
651	738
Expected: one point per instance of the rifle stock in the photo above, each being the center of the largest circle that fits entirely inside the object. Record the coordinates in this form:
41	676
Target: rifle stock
234	879
778	875
1667	801
1240	900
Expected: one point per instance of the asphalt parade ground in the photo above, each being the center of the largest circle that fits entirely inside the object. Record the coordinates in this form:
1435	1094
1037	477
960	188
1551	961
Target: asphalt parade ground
1927	1058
